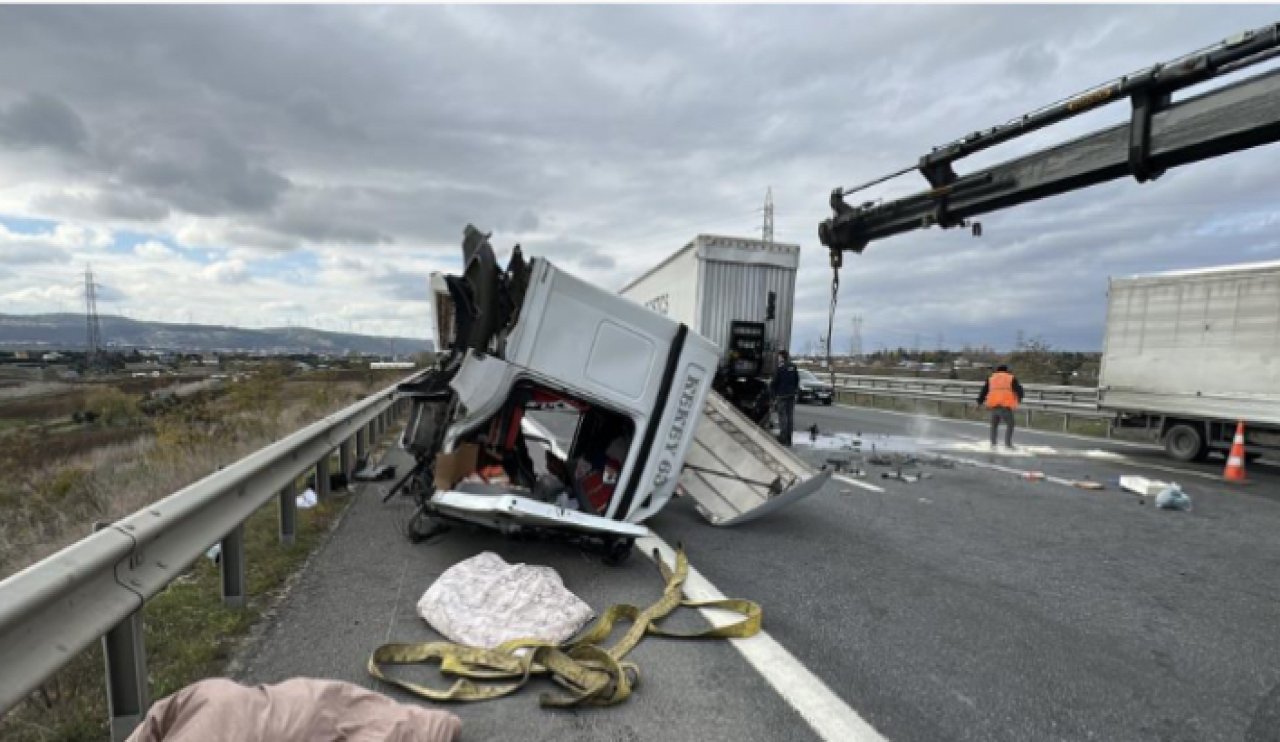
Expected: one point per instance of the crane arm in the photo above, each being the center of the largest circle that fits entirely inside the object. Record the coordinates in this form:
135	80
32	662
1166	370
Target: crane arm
1159	136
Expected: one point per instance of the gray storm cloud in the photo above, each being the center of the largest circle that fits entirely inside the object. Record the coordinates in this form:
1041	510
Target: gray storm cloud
605	138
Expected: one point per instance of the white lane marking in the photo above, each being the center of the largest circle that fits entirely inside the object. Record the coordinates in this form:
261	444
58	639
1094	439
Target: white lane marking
1032	431
829	716
856	483
1174	469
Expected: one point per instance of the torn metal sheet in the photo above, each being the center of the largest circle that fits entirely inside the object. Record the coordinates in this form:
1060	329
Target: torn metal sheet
736	472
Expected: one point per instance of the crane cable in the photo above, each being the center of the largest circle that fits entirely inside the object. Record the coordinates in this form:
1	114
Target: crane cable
831	319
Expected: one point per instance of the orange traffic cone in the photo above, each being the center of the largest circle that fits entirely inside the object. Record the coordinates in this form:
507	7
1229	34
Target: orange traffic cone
1235	460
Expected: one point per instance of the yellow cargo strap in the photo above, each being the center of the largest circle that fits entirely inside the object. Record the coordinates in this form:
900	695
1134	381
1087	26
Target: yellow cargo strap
592	674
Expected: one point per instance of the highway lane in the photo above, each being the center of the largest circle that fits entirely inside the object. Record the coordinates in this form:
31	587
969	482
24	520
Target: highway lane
975	605
971	605
360	591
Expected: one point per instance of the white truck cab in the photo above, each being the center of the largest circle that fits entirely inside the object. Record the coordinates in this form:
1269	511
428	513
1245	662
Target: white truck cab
533	347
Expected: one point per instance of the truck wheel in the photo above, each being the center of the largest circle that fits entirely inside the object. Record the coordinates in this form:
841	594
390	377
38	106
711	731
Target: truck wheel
1185	442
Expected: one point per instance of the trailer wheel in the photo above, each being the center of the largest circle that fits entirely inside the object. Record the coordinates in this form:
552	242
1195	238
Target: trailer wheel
1185	442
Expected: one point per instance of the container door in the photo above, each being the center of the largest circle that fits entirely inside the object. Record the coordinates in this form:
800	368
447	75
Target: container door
737	472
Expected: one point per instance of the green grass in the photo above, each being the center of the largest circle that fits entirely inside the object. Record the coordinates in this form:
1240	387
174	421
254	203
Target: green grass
188	633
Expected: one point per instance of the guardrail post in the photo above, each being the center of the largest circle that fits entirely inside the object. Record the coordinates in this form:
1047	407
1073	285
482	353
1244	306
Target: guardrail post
288	502
233	592
346	459
126	661
362	444
322	476
1066	420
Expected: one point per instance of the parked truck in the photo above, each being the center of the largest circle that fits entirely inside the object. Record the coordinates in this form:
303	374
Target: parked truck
738	293
1189	353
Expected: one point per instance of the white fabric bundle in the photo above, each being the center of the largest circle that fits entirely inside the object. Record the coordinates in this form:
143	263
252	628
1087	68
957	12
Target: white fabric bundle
484	601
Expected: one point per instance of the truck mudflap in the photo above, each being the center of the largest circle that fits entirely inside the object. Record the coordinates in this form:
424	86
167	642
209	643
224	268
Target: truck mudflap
736	472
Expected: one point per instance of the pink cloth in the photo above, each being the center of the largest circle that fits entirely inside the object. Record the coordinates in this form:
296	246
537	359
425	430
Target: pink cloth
296	709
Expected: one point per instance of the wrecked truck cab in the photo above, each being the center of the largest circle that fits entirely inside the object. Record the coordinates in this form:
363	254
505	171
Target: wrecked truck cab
532	348
533	337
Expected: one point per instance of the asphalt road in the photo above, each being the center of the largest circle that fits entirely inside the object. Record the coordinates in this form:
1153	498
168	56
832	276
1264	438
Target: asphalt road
971	605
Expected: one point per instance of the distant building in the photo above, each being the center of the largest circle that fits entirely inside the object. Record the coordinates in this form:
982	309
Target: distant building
384	365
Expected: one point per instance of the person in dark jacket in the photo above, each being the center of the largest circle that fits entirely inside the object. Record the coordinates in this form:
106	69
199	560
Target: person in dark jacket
1001	394
785	385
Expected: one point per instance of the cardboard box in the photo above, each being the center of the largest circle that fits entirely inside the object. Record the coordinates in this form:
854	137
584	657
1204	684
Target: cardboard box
453	466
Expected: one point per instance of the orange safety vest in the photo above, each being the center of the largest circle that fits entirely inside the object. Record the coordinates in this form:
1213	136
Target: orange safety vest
1000	391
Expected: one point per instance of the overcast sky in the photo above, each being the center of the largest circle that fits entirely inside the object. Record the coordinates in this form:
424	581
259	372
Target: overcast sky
311	165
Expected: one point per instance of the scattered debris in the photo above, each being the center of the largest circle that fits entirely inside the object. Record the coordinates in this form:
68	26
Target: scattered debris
1173	498
379	473
1142	485
1087	484
307	499
903	477
1032	476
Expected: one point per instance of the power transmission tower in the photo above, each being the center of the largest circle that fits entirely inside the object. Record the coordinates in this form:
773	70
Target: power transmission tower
93	329
766	231
855	347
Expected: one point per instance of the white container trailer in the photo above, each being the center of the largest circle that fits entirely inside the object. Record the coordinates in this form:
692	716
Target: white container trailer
737	292
716	280
1189	353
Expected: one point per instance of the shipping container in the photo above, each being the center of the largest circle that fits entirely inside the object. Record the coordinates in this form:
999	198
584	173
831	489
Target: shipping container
716	280
1189	353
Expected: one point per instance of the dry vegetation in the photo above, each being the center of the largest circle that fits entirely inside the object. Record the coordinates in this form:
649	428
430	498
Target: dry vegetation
64	476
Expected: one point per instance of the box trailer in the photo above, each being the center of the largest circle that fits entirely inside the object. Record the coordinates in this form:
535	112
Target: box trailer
1189	353
737	292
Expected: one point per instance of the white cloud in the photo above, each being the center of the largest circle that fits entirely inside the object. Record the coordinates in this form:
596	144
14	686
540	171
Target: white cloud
230	271
152	250
281	184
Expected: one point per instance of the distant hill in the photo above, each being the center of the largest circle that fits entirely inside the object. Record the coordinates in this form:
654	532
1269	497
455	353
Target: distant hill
67	332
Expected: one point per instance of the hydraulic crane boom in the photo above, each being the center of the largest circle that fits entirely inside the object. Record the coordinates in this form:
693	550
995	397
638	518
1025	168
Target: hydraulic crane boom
1160	135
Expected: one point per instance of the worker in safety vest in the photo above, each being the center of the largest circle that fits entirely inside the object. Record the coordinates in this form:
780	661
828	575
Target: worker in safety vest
1001	394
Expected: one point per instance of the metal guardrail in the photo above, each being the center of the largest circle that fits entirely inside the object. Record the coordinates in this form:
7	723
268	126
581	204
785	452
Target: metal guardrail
1067	401
96	587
